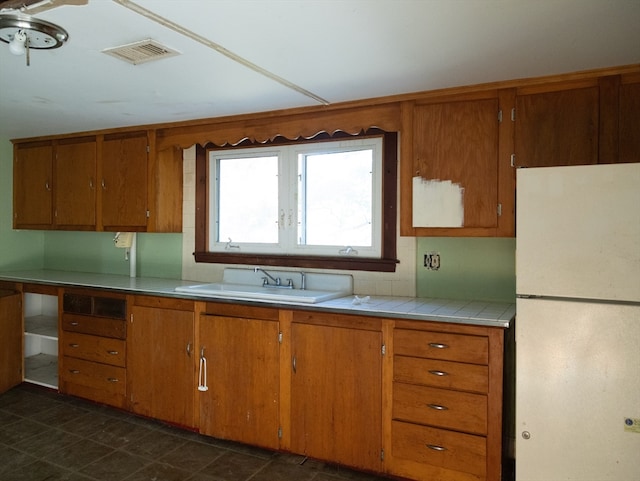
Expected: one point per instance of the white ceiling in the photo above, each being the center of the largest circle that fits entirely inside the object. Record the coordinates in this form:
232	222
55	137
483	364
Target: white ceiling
338	50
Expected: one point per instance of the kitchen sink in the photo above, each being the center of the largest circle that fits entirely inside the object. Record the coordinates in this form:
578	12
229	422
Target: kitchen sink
248	284
239	291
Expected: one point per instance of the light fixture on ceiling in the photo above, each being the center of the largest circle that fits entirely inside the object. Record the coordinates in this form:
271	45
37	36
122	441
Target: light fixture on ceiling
23	32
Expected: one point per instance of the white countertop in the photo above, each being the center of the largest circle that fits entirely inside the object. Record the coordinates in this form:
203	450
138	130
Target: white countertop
492	314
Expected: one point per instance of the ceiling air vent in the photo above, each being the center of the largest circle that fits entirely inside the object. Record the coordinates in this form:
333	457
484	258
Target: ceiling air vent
141	52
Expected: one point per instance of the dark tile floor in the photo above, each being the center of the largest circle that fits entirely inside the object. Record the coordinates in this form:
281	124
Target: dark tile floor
47	436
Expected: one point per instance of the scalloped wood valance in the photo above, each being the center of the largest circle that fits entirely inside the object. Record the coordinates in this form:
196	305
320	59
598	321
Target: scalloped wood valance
265	127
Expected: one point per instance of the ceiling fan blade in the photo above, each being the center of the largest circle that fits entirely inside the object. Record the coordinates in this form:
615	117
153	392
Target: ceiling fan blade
37	6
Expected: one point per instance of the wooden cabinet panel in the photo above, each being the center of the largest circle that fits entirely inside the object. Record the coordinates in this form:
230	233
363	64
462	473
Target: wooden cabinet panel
10	339
557	127
444	408
94	325
242	403
98	382
75	184
443	374
336	394
432	448
161	364
629	122
442	345
95	348
33	185
458	142
124	182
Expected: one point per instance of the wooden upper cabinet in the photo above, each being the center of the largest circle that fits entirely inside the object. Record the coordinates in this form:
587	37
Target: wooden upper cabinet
455	167
124	182
33	185
557	127
75	184
629	123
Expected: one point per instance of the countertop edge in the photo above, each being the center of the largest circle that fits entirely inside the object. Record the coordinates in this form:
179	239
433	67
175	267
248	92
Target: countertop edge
455	311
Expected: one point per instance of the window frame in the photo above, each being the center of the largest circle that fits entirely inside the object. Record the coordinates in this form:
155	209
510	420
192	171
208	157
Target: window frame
386	263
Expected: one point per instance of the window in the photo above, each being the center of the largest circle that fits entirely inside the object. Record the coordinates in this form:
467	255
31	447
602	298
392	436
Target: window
318	203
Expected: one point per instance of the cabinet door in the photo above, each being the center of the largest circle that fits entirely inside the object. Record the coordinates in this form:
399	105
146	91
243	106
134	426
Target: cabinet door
124	183
161	364
456	153
557	127
629	122
75	180
32	186
336	395
242	401
10	339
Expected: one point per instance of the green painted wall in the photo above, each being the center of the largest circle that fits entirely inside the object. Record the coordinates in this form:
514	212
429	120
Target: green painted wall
470	268
18	249
159	255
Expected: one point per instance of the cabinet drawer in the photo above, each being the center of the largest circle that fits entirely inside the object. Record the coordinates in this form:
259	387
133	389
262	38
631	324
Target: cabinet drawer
441	345
93	348
102	377
438	447
98	326
444	374
440	407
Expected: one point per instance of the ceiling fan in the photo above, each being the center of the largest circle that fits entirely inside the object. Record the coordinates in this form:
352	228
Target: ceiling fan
24	32
36	6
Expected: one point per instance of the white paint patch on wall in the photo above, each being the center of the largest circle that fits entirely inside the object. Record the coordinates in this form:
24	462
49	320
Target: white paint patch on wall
437	203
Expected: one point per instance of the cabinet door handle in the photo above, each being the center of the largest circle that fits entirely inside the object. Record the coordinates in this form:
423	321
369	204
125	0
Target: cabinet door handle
294	364
73	344
435	447
47	186
74	371
438	373
113	353
438	345
103	184
112	379
438	407
189	349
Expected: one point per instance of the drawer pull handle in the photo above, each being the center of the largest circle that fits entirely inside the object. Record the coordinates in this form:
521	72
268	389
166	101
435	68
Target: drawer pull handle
438	407
435	447
112	379
73	344
113	353
438	345
438	373
74	323
74	371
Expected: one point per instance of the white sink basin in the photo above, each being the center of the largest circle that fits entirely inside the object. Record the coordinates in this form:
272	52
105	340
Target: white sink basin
242	291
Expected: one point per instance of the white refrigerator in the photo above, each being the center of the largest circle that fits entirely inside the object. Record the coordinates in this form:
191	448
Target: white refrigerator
577	323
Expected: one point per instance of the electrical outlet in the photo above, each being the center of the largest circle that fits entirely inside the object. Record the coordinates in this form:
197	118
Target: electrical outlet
432	261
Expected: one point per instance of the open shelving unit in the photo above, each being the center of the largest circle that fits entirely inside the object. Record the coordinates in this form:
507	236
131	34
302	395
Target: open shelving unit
41	339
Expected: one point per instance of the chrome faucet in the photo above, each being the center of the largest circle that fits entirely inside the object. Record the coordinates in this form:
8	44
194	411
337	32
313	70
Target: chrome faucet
276	280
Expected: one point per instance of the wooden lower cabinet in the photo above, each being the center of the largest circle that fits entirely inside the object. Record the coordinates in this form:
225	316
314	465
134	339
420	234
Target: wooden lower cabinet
92	347
446	415
10	339
336	389
161	360
420	400
242	357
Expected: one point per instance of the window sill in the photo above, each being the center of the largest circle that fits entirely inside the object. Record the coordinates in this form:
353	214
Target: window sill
311	262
